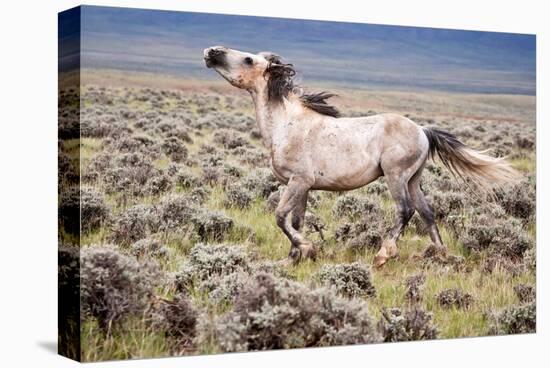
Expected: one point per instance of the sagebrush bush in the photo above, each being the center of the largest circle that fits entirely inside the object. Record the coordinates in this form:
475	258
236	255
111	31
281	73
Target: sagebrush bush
516	319
272	313
99	163
488	209
177	318
496	263
212	160
237	196
251	156
414	286
229	139
186	179
113	285
409	325
133	224
199	195
224	288
93	209
205	149
447	203
232	172
211	225
354	206
272	267
351	280
525	293
344	232
159	184
96	128
132	144
530	258
313	199
221	270
210	175
261	182
518	200
174	148
175	210
207	261
218	259
149	247
378	187
180	133
434	255
503	237
128	173
454	298
524	142
370	238
362	235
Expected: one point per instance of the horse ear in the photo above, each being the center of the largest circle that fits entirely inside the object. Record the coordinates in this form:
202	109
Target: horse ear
271	57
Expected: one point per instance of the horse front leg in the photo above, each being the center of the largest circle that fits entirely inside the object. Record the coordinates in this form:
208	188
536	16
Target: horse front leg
299	213
292	201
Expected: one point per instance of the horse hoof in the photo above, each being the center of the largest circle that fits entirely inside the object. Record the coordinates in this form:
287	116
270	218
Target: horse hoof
389	249
379	261
308	250
299	252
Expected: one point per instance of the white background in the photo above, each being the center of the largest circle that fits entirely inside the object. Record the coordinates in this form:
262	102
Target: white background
28	149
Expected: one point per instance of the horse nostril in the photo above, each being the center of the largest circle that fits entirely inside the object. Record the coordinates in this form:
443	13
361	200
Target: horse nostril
215	57
213	53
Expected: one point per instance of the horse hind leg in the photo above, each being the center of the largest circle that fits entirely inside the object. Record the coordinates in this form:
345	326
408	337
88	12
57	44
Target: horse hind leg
424	209
404	211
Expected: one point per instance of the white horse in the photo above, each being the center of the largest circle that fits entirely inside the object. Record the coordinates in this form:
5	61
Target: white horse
312	148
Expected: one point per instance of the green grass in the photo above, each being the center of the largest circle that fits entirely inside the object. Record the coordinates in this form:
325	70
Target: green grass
134	339
490	291
524	164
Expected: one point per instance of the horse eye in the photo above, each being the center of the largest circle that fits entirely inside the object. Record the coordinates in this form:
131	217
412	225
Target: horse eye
248	60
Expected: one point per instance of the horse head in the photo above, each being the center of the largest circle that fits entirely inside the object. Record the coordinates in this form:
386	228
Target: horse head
252	72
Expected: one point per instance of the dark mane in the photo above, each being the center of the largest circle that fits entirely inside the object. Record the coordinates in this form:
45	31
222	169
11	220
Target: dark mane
318	102
281	82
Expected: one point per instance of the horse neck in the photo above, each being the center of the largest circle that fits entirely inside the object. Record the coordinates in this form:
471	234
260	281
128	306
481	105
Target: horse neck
268	115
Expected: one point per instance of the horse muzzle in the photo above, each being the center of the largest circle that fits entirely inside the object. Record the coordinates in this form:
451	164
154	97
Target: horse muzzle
214	56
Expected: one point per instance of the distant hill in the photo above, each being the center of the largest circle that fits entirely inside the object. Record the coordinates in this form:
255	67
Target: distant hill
347	54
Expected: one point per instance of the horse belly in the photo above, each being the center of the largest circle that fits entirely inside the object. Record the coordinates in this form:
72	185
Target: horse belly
344	171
